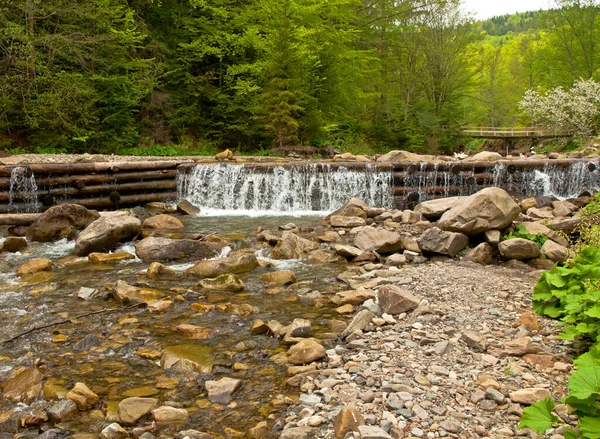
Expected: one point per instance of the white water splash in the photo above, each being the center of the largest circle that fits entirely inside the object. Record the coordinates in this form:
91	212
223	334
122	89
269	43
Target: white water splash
22	187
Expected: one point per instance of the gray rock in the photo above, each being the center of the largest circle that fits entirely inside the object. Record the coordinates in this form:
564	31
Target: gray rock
360	321
474	340
299	328
555	252
379	240
62	411
309	400
221	391
395	300
105	233
436	208
519	248
165	249
372	432
435	240
114	431
62	221
186	208
346	221
298	433
494	395
132	409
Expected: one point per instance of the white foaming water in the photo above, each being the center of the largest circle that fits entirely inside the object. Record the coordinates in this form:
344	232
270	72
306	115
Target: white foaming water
225	251
128	247
23	187
56	249
304	189
284	264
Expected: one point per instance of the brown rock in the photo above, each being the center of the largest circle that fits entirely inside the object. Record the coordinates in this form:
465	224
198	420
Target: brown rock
62	221
186	208
521	346
165	249
292	246
105	233
128	294
395	300
13	244
225	282
170	415
34	266
224	155
436	240
156	269
379	240
25	386
347	420
83	397
102	258
355	207
281	277
353	297
529	396
482	254
530	321
346	221
436	208
132	409
519	248
306	351
237	263
193	331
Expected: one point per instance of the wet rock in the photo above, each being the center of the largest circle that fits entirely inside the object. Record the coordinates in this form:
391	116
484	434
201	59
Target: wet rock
133	409
128	294
165	249
490	208
236	263
395	300
162	222
258	431
193	331
353	297
299	328
186	208
221	391
62	221
25	386
190	357
170	415
193	434
482	254
346	221
103	258
347	251
436	240
86	343
156	270
360	321
293	246
62	411
34	266
13	244
224	282
355	207
519	248
258	327
555	252
83	397
305	351
105	233
54	433
114	431
372	432
379	240
529	396
281	277
268	237
298	433
347	420
436	208
160	207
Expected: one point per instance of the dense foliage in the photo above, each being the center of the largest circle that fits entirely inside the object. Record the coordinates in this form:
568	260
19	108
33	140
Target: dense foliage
521	232
115	75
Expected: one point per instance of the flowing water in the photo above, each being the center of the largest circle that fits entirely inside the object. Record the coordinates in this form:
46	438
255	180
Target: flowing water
23	188
104	350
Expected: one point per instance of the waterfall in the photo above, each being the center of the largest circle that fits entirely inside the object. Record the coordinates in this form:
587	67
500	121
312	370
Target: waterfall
306	188
22	187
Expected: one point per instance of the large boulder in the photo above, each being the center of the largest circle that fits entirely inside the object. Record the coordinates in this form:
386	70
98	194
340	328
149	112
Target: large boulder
436	208
519	248
554	251
35	266
405	156
306	351
490	208
293	246
485	156
355	207
106	233
62	221
436	240
165	249
379	240
236	263
162	222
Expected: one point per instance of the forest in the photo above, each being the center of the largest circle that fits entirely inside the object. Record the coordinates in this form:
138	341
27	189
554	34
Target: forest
194	76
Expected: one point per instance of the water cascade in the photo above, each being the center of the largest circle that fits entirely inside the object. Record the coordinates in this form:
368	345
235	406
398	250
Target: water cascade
23	188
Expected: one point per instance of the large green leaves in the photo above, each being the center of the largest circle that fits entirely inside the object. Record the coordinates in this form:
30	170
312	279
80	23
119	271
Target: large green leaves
585	382
539	416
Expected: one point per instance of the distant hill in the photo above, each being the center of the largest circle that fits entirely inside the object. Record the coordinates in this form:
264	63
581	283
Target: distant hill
514	23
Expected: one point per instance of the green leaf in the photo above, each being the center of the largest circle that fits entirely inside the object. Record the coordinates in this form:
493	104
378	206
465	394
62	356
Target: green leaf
569	333
571	434
556	280
585	382
586	406
539	416
594	312
590	426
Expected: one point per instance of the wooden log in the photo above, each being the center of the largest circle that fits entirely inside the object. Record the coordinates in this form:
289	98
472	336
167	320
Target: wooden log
83	168
18	219
125	200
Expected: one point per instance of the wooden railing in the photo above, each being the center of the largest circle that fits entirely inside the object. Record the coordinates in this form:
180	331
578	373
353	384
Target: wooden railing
503	132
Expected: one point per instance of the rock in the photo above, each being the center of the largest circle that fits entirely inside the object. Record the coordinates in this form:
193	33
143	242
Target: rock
62	221
535	227
346	221
493	237
13	244
372	432
309	400
299	328
529	396
490	208
132	409
555	252
528	203
347	420
114	431
190	357
170	415
162	222
451	426
404	156
292	246
281	277
25	386
545	213
62	411
353	297
521	346
411	217
34	266
434	209
105	234
258	327
305	351
347	251
474	340
482	254
436	240
165	249
221	391
355	207
194	332
395	260
349	157
298	433
127	294
83	397
224	155
225	282
519	248
395	300
156	269
160	207
236	263
103	258
486	156
186	208
379	240
360	321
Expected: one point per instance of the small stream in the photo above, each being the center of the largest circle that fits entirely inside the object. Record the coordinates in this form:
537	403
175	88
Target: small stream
117	354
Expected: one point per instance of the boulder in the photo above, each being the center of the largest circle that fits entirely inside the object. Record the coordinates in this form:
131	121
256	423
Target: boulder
490	208
224	155
156	269
128	294
349	157
486	156
162	222
105	234
379	240
434	209
493	237
132	409
221	391
165	249
519	248
160	207
293	246
482	254
224	282
347	251
404	156
62	221
13	244
436	240
236	263
346	221
395	300
555	252
355	207
166	415
536	227
281	277
25	386
305	351
34	266
186	208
